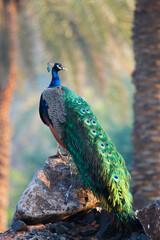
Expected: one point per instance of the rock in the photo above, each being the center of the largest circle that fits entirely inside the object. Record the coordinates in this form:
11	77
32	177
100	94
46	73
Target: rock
88	232
134	235
90	216
59	228
44	200
150	219
19	226
118	236
104	222
61	237
34	238
31	237
143	237
68	225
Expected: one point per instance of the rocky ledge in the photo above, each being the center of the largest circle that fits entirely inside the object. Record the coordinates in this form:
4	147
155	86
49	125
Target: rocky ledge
91	225
54	193
57	206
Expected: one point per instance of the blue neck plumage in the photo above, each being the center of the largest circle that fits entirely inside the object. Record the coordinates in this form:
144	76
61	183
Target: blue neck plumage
55	79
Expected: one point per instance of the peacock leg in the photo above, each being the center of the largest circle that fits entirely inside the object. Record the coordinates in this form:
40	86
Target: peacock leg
59	154
59	150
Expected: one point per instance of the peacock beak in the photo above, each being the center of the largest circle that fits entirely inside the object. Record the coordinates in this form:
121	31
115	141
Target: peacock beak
64	68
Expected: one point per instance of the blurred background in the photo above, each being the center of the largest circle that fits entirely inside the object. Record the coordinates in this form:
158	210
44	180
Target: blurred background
93	40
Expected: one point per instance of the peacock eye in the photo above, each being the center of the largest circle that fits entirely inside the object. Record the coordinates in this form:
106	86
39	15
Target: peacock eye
94	122
102	145
107	144
100	134
87	122
83	110
94	132
116	178
58	67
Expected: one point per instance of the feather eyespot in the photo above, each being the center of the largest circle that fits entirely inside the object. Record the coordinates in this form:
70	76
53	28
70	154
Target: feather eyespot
79	102
100	134
110	154
87	122
87	110
102	145
107	143
116	178
94	122
94	132
83	110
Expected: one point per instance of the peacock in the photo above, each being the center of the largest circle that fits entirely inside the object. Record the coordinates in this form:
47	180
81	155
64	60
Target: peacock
77	130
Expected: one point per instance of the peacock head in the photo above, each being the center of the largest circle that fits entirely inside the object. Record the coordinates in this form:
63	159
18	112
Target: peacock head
56	67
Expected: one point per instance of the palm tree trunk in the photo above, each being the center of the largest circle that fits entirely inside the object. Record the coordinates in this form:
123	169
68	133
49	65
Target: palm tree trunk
146	77
6	93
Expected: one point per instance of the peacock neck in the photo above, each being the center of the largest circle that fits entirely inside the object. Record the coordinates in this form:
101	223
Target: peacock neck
55	79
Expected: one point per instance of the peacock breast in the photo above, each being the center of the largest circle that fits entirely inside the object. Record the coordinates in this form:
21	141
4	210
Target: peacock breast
56	108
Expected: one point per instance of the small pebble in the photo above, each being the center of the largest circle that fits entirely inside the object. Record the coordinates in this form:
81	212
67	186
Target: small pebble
88	232
143	237
59	228
68	225
29	237
35	238
134	235
19	226
60	237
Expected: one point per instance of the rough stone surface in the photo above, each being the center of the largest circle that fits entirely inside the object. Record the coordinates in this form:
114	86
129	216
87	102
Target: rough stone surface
150	219
104	221
75	227
19	226
134	235
49	197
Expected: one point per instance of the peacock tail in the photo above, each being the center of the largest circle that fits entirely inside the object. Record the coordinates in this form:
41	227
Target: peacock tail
97	159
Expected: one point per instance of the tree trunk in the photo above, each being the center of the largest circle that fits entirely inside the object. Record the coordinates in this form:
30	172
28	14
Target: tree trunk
7	85
146	77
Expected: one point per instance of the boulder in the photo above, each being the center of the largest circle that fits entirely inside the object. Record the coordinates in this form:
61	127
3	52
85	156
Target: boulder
53	194
150	219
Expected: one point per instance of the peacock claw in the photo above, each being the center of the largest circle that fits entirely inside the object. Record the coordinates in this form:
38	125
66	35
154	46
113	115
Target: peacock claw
59	154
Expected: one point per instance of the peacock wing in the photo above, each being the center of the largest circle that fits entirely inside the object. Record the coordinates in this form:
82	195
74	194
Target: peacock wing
96	157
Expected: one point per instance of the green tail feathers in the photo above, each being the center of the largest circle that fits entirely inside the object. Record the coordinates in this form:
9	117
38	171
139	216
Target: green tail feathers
96	157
